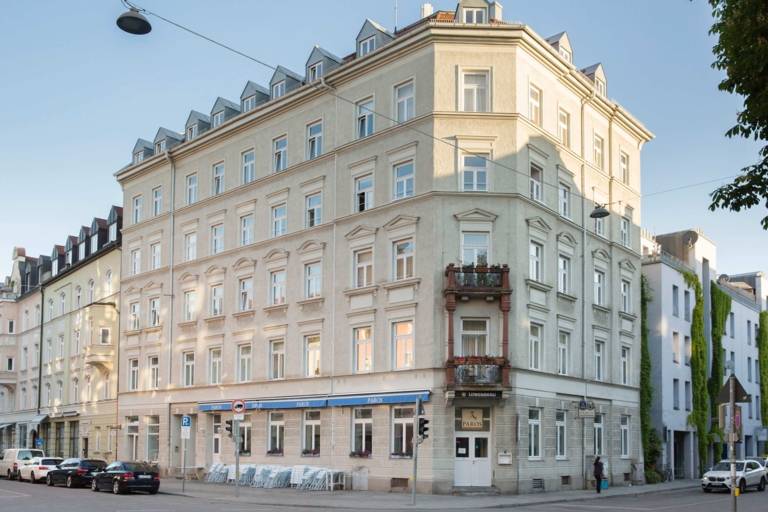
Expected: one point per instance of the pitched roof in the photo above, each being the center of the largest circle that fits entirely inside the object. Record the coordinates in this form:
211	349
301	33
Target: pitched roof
141	144
195	117
590	70
222	103
287	72
326	53
165	133
252	88
555	38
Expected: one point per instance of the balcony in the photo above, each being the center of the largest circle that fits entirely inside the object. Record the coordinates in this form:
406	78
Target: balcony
477	281
7	378
100	355
477	372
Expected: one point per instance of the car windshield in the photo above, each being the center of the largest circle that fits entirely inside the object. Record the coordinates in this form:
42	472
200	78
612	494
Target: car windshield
137	466
726	466
50	462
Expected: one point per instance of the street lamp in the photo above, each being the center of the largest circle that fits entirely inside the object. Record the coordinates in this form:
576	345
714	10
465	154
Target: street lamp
133	22
599	212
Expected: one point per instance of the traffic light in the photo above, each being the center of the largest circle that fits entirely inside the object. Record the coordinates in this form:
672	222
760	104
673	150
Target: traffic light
423	428
229	428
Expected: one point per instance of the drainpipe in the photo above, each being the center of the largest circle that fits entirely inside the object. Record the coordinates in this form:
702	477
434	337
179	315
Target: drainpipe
172	253
40	351
333	280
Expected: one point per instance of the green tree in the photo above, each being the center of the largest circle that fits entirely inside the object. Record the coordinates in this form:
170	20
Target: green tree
762	354
741	27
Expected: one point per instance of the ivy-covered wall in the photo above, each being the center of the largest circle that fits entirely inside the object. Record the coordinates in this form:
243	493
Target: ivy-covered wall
700	408
649	436
721	307
762	347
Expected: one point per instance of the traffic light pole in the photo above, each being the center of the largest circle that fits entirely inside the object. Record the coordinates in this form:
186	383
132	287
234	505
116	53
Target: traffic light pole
236	436
731	440
416	423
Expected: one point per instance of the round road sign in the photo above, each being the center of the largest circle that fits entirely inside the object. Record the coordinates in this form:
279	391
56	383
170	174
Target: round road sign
238	406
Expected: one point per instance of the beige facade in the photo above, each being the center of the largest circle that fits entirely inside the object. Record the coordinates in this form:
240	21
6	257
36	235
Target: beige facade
318	292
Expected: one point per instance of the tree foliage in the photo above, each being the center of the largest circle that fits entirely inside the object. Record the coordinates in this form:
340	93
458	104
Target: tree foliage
651	443
741	27
762	355
699	415
721	307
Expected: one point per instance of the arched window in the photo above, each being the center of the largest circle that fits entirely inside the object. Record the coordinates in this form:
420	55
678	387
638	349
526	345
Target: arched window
75	391
88	388
23	399
37	315
78	297
91	288
26	320
108	283
50	309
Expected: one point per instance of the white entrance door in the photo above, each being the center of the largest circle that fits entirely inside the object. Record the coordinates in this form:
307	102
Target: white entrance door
216	441
472	466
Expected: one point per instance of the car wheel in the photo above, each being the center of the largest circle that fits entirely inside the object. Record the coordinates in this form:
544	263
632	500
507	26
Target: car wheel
49	481
742	486
153	490
94	486
116	487
32	477
70	484
761	486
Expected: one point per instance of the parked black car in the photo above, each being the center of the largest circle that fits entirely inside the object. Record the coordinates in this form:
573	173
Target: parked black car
122	476
75	472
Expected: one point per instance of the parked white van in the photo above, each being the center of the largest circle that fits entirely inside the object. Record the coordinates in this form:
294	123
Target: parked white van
13	458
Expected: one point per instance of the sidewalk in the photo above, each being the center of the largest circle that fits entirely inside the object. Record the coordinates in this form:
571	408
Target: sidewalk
366	500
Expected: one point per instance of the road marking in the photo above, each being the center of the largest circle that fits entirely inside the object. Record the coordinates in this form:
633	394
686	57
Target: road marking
13	494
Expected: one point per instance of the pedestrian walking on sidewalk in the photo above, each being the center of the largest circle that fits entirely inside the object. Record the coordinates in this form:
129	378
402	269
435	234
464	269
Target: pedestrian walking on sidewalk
598	472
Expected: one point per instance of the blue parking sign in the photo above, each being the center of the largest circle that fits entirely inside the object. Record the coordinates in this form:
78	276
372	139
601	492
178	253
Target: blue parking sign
186	421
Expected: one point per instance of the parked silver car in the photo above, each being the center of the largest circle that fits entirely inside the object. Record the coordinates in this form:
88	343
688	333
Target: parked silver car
749	473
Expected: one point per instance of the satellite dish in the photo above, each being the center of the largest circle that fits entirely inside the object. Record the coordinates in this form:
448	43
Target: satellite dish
690	238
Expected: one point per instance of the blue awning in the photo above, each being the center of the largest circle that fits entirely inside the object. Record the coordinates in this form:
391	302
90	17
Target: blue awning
315	402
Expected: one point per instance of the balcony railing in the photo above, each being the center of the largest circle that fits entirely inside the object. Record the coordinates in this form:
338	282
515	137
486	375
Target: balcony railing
7	377
476	371
477	279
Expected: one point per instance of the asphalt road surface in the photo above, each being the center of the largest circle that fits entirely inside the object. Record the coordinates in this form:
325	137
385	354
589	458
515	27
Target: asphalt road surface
27	497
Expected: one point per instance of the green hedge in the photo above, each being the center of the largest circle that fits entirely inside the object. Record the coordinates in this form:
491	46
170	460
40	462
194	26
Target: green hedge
762	347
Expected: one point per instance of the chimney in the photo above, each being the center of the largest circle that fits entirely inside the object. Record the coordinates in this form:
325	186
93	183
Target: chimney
427	9
495	11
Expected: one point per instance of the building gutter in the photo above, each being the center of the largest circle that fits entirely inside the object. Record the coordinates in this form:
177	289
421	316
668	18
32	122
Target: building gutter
40	351
172	252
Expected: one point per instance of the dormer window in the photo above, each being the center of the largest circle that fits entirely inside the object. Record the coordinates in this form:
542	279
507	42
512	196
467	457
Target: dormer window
81	251
566	54
600	86
113	232
278	89
315	71
218	119
160	147
138	157
366	46
69	257
192	132
475	15
94	243
55	266
249	103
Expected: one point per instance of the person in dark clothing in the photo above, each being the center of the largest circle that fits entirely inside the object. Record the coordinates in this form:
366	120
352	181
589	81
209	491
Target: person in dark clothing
598	472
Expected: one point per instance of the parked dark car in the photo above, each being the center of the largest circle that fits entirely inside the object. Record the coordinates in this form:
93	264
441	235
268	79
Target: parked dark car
121	476
75	472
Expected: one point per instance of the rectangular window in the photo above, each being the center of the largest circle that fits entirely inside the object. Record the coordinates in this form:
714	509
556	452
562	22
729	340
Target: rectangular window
192	132
280	154
564	200
474	337
218	178
402	252
402	431
191	189
217	119
364	112
474	15
687	350
314	140
105	337
563	343
749	369
624	232
675	301
154	311
278	89
534	347
624	165
246	229
155	257
313	280
189	369
311	444
217	301
676	394
362	432
599	288
402	344
475	94
243	363
534	104
599	360
363	260
404	102
157	201
534	433
363	349
600	86
246	433
732	328
154	372
537	177
749	332
536	263
474	172
687	305
561	435
597	151
364	193
138	203
366	46
403	176
248	166
563	274
279	220
153	438
135	261
315	71
312	355
217	238
277	287
598	440
475	247
133	316
600	227
214	366
625	365
190	246
314	210
277	359
625	436
249	103
133	374
564	127
688	397
626	296
245	294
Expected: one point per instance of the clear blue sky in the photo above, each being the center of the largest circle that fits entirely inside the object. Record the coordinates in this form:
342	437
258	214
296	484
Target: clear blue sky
77	92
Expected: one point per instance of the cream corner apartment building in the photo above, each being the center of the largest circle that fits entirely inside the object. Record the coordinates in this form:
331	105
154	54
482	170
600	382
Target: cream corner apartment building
402	222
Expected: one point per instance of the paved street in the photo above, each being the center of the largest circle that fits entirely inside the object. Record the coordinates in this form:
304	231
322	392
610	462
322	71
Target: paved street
34	498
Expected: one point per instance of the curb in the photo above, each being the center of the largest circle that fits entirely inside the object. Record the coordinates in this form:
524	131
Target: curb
646	489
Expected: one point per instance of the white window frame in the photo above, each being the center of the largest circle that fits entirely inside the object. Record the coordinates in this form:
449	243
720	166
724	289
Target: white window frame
599	287
249	103
279	153
535	346
277	359
564	127
625	365
364	192
313	280
599	360
403	259
192	131
217	238
475	178
561	434
279	219
246	229
536	261
190	246
155	256
278	89
564	200
133	375
563	274
405	105
362	419
363	272
475	91
598	434
217	119
624	231
216	300
134	315
598	151
311	436
248	166
157	201
217	174
138	205
534	433
626	296
563	351
315	71
403	184
154	312
191	188
314	140
535	103
624	166
404	340
313	213
244	362
403	420
536	184
362	349
474	15
214	365
625	439
154	371
277	290
245	294
188	369
312	355
365	124
366	46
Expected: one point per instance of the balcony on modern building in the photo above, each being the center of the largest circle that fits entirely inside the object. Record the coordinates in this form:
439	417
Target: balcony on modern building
468	281
7	378
100	355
